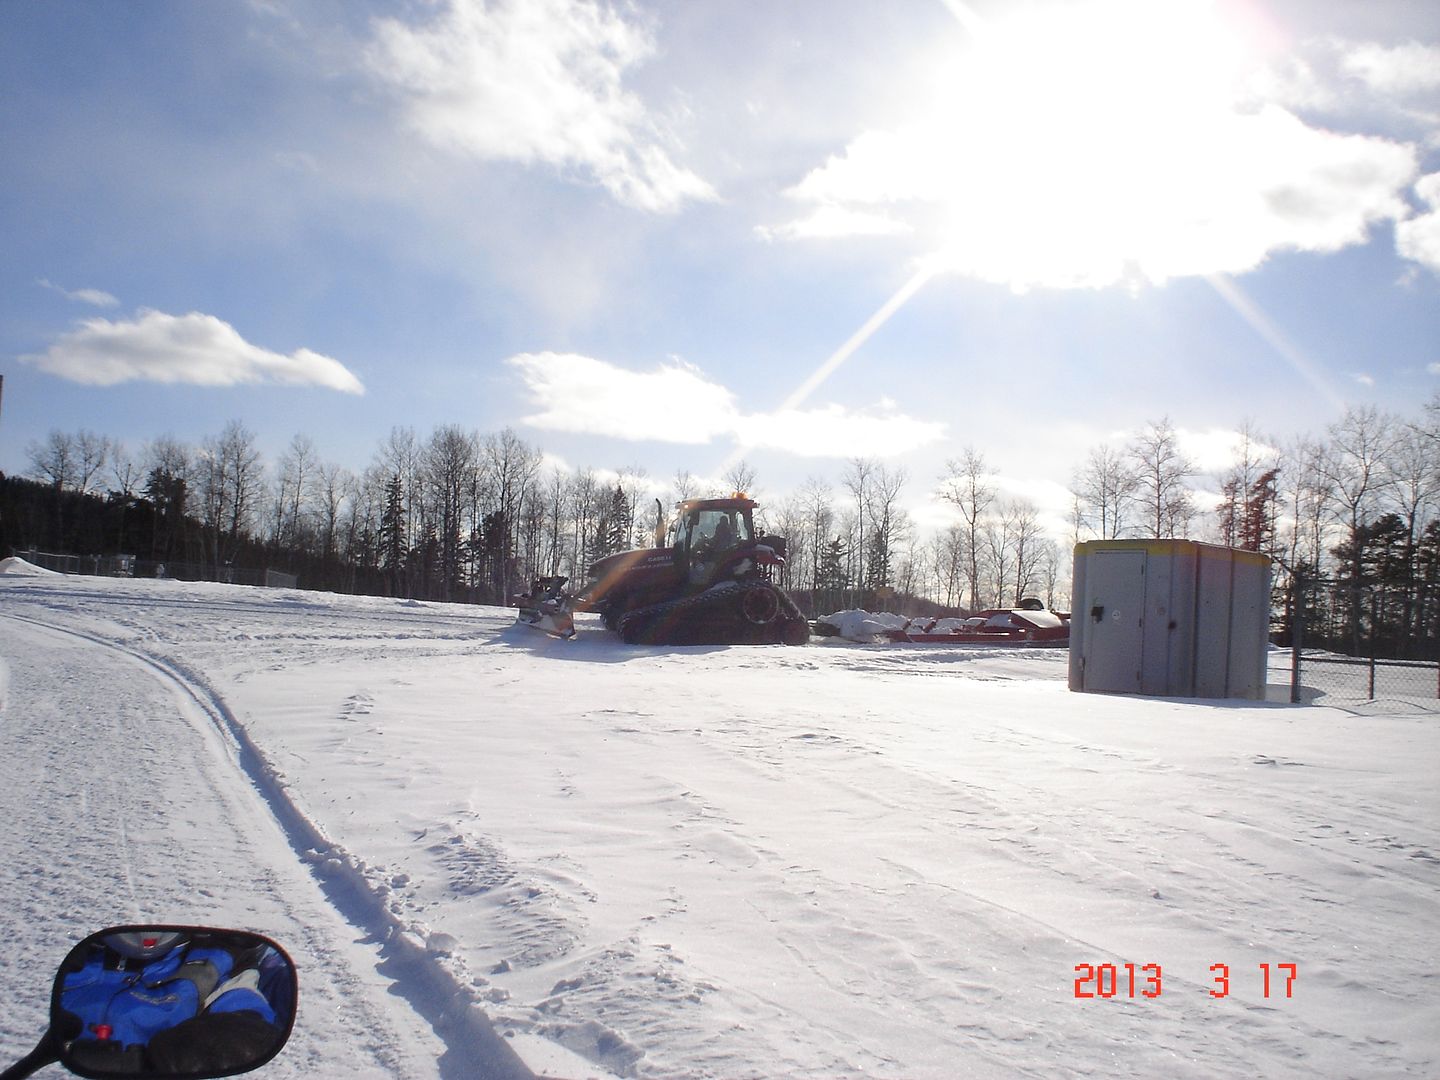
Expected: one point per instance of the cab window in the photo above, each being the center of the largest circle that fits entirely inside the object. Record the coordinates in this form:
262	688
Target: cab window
729	525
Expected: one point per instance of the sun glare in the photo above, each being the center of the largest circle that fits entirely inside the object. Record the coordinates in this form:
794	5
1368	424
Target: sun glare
1068	144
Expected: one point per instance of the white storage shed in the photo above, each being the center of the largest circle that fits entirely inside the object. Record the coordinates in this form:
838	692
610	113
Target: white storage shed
1175	618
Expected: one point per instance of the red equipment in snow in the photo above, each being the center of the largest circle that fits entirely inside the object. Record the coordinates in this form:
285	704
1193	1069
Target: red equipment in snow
1030	624
707	581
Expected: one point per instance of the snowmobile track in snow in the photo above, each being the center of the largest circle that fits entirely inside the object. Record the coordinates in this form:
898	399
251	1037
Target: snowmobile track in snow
432	990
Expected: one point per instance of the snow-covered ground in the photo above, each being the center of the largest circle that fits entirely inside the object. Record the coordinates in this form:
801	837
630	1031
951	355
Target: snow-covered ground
834	860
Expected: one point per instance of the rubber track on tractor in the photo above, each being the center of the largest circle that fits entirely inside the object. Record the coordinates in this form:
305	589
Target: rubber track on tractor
716	617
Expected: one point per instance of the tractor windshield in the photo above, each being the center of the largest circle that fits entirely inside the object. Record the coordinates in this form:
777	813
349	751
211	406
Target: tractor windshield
719	529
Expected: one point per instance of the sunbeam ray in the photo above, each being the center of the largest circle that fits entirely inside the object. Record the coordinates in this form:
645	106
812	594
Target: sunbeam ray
832	363
1258	321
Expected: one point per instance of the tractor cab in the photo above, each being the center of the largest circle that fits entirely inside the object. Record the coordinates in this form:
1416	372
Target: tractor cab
705	528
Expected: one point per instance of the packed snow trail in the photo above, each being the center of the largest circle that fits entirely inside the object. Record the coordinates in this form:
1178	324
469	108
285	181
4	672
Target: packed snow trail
833	860
124	803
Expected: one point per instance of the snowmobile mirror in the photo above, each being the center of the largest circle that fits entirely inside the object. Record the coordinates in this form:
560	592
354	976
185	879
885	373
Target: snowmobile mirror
180	1002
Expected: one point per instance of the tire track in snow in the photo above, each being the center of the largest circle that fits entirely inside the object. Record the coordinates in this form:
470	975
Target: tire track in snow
143	817
475	1050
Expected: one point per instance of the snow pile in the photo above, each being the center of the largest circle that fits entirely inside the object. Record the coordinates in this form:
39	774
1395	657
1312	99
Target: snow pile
871	626
864	626
18	567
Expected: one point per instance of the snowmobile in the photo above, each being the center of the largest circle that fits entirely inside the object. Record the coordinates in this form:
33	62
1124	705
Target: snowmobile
707	581
167	1001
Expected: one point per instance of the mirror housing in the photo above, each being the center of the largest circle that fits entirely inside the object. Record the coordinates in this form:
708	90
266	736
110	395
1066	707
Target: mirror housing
173	1002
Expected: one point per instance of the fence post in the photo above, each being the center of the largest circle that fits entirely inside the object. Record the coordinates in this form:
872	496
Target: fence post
1297	629
1374	636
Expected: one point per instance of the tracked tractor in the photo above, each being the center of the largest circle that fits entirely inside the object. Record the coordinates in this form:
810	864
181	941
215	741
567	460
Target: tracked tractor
708	580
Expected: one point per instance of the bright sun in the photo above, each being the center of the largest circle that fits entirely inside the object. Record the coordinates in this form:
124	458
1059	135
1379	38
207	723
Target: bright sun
1084	144
1105	142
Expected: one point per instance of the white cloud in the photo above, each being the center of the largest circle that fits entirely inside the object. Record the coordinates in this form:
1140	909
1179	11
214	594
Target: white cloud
1337	76
1400	70
1295	82
535	81
1215	450
834	431
1363	379
831	221
1419	238
1091	144
553	463
94	297
673	403
197	349
1048	496
676	403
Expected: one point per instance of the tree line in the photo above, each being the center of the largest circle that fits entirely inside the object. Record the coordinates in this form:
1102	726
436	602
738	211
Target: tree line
1351	520
462	515
459	515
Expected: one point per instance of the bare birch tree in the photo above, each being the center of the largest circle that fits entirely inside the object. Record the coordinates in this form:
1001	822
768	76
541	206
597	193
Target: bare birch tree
966	487
1161	471
857	477
1106	486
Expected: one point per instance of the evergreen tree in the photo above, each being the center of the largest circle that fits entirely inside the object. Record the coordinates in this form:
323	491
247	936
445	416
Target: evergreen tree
1374	572
600	542
1387	567
877	565
392	535
494	537
831	579
620	521
831	572
1427	590
1256	526
425	561
167	493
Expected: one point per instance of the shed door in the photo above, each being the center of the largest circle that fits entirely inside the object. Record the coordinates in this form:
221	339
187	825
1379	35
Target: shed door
1114	614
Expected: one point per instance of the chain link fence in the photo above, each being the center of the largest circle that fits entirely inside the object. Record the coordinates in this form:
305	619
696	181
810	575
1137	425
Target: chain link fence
129	566
1359	647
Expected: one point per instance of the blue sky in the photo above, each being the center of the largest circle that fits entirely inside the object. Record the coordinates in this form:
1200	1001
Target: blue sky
648	234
